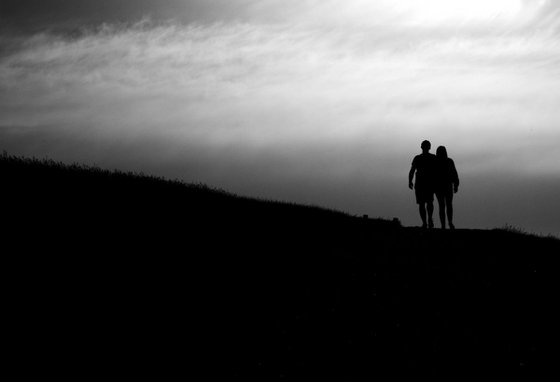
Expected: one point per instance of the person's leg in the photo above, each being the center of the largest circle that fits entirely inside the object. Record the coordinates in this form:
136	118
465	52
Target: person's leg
441	206
430	213
449	203
422	207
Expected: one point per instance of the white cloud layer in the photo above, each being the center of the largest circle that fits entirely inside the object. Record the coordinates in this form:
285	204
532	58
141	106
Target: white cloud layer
327	96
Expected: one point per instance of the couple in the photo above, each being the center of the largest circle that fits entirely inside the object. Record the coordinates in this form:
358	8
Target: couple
434	174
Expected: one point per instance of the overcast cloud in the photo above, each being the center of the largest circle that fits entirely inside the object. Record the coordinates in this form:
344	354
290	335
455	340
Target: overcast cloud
322	102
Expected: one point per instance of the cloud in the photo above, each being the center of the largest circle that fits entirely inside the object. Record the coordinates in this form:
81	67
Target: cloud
425	14
298	108
72	16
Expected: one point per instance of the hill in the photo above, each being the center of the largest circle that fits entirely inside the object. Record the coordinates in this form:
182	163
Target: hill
122	274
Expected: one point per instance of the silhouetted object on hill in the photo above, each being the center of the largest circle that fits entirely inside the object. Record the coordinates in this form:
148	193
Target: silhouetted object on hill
446	183
423	166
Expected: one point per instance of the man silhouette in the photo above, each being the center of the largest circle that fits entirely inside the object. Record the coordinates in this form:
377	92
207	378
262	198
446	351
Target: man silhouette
423	166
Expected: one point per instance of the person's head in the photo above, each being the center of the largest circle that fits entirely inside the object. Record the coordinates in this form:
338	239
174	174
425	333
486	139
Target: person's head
441	152
426	146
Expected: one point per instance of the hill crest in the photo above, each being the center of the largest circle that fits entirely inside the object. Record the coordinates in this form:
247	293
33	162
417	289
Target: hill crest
108	266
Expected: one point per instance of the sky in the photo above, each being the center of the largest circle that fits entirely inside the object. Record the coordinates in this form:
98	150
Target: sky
318	102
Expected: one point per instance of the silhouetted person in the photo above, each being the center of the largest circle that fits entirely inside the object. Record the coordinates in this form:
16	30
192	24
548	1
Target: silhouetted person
446	183
424	166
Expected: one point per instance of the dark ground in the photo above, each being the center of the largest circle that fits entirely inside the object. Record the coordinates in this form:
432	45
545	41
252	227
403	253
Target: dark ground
110	274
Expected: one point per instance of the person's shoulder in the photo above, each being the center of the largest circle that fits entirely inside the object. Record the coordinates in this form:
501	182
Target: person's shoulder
417	158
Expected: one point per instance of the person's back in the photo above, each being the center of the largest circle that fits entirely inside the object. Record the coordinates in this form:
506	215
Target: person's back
446	182
425	165
423	168
445	176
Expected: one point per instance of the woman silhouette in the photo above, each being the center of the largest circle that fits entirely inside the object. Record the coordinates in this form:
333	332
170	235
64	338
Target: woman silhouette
446	183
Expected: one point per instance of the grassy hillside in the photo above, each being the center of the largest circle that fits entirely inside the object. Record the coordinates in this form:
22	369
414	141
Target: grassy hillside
123	274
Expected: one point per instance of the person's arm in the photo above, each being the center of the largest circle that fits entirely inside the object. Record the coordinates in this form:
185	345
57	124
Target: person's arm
411	175
455	177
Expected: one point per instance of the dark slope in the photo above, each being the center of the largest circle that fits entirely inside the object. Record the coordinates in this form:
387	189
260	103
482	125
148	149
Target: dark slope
139	276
